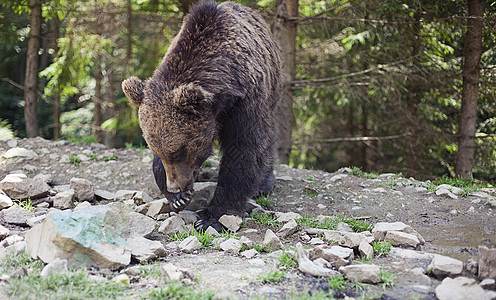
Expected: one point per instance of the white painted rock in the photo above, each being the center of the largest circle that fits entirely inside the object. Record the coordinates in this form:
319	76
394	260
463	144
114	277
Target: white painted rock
190	244
83	189
362	273
64	200
443	266
460	288
231	222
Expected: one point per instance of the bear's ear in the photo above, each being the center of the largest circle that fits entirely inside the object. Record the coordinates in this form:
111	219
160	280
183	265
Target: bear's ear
133	87
191	97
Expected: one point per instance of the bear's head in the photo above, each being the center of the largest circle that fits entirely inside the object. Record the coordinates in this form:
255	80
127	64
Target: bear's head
178	124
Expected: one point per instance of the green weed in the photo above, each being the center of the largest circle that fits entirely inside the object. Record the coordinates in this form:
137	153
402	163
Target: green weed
202	236
265	201
265	220
287	260
77	140
331	223
388	279
381	248
358	172
175	290
207	164
262	248
26	204
271	276
337	282
16	260
74	159
111	157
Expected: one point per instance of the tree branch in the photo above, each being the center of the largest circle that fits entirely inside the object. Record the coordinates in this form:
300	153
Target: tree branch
355	139
17	85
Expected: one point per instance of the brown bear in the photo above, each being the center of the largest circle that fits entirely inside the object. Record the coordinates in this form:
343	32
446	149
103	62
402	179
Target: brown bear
220	79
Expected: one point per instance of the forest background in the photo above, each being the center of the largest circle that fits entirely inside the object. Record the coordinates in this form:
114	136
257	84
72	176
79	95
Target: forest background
392	86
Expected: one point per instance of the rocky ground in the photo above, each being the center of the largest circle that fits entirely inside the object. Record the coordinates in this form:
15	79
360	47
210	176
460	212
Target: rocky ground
443	237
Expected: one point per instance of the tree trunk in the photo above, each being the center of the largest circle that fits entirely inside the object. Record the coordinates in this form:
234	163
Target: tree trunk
54	36
31	79
285	32
97	112
414	98
364	131
472	54
129	50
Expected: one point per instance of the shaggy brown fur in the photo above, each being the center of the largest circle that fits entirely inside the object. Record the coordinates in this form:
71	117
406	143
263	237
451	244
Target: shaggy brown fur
219	79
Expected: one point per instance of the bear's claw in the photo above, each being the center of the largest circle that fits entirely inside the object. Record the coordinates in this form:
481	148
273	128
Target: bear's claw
180	201
203	224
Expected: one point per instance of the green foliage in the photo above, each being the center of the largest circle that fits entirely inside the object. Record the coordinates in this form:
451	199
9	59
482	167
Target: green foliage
177	291
262	248
6	131
74	159
207	164
204	238
151	270
26	204
287	260
381	248
265	220
388	279
78	140
67	285
358	172
331	223
271	276
111	157
337	283
13	261
265	201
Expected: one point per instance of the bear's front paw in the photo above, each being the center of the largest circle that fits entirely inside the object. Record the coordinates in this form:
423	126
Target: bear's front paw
179	201
203	224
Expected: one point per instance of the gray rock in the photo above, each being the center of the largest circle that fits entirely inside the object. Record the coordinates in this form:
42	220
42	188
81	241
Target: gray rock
471	266
103	194
362	273
55	267
366	250
64	200
189	217
453	189
460	288
251	253
141	197
306	266
402	239
411	255
158	207
352	239
83	189
211	231
272	241
45	177
190	244
337	256
202	195
487	262
93	236
5	201
172	225
246	242
20	152
4	232
16	186
17	215
443	266
12	143
488	284
82	205
143	249
231	245
36	220
138	224
11	240
380	230
286	217
344	227
446	192
288	229
173	273
231	222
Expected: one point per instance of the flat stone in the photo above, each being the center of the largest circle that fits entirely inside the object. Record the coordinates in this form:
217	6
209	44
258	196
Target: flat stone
352	239
337	256
82	205
64	200
16	215
272	241
288	229
366	250
55	267
5	201
202	195
190	244
231	222
251	253
93	236
103	194
402	239
306	266
20	152
362	273
231	245
188	216
246	242
446	192
158	207
173	273
488	284
143	249
487	262
4	232
45	177
411	255
16	186
141	197
36	220
338	177
381	229
172	225
211	231
453	189
460	288
443	266
286	217
83	189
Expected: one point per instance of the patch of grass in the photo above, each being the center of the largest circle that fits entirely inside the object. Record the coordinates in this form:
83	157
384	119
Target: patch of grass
357	225
82	139
176	290
93	156
207	164
271	276
358	172
262	248
265	220
314	295
202	236
287	260
388	279
359	286
467	186
310	190
381	248
26	204
151	270
111	157
265	201
331	223
337	283
74	159
16	260
67	285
